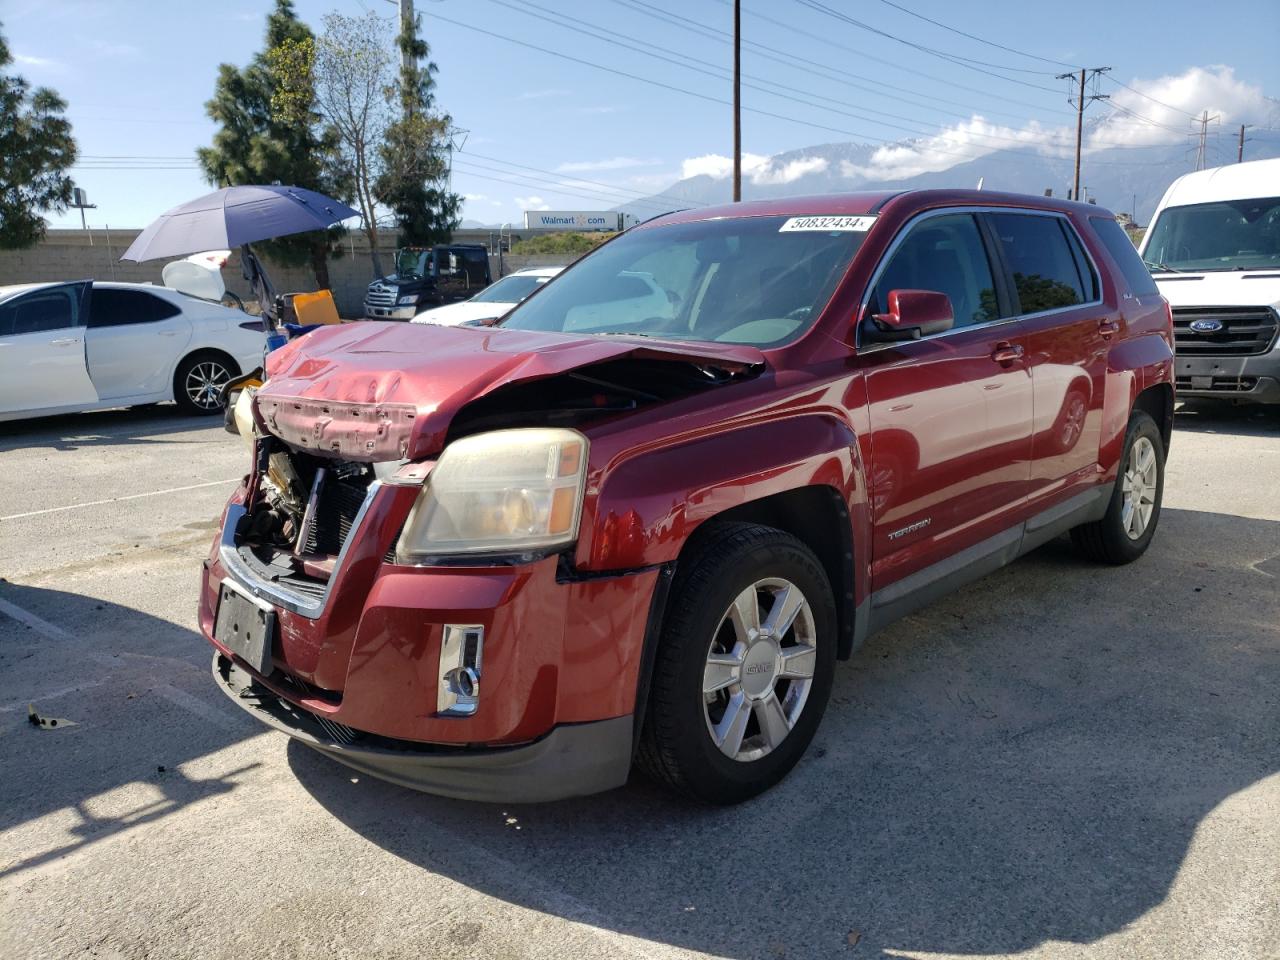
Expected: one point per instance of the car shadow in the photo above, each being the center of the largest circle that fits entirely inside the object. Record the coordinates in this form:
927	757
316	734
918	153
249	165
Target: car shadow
100	428
1025	761
1216	416
127	682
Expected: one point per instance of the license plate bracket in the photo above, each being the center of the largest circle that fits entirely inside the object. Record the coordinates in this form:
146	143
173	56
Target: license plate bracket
246	626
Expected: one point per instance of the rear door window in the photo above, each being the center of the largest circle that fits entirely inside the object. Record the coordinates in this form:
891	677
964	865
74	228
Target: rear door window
944	254
1125	255
118	308
1046	271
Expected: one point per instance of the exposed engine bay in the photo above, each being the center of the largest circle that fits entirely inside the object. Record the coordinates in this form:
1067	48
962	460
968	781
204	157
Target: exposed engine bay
302	511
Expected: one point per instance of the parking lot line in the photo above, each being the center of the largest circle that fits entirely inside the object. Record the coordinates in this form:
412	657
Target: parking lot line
34	622
132	496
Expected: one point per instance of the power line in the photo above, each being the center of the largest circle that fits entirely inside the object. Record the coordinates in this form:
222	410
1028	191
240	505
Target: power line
990	43
978	65
717	100
612	195
1160	103
893	65
791	61
601	183
772	89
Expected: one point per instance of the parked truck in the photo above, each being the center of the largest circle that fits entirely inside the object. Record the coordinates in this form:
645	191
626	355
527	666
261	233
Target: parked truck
427	277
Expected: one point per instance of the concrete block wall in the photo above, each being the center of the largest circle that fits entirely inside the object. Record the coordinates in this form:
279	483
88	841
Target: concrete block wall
95	255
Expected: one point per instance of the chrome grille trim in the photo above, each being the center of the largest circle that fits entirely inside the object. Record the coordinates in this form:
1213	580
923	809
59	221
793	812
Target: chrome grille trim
240	570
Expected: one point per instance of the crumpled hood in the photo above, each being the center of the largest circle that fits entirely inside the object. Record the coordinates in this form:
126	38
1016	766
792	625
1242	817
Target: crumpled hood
1235	288
377	391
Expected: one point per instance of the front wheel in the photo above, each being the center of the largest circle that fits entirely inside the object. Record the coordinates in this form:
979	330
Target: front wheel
744	666
1125	532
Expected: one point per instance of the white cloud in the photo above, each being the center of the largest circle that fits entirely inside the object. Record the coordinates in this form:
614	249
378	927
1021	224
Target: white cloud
718	167
1136	120
43	63
789	172
124	51
596	110
613	163
757	168
532	203
543	94
475	196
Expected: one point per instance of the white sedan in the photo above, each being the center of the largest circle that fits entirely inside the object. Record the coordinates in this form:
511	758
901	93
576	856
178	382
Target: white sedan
68	347
493	301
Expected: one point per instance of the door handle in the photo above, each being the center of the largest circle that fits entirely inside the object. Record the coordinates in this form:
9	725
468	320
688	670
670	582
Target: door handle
64	341
1107	328
167	333
1006	353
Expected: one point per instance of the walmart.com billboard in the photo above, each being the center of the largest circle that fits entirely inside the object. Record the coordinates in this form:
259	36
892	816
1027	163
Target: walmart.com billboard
572	220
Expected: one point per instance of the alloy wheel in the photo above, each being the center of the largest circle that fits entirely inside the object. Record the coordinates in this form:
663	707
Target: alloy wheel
205	382
759	669
1138	488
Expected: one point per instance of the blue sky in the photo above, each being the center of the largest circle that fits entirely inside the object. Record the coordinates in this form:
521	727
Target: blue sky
136	75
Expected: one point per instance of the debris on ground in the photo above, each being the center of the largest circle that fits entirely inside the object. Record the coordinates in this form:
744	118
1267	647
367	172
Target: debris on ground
46	723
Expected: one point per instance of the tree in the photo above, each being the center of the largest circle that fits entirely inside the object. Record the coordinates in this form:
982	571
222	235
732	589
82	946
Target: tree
271	132
415	168
352	80
36	150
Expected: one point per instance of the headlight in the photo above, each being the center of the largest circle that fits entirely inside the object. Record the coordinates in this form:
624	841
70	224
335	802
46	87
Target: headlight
407	300
507	491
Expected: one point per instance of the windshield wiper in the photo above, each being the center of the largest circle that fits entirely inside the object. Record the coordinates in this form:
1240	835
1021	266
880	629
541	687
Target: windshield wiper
1162	267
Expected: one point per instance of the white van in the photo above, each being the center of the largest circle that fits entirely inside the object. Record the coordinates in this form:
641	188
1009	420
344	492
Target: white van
1214	250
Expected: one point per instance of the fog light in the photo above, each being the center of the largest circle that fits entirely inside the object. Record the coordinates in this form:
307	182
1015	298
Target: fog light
458	684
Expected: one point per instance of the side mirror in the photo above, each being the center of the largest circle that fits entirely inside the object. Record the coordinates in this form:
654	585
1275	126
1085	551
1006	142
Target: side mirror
912	314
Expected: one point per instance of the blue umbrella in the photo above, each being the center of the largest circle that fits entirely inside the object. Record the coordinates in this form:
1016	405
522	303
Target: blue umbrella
237	217
233	217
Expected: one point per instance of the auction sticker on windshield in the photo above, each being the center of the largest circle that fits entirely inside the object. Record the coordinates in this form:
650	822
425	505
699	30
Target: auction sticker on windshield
825	224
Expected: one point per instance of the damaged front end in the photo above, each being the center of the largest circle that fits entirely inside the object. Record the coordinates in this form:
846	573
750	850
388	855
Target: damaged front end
402	543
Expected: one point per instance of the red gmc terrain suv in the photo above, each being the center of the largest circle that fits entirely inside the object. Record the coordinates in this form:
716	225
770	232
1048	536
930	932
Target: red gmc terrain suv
640	518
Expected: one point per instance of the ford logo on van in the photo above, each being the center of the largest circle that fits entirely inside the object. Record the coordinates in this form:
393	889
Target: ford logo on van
1206	326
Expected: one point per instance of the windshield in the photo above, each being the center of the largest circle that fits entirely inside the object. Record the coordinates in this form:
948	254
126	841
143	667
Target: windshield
1226	235
752	280
411	263
510	289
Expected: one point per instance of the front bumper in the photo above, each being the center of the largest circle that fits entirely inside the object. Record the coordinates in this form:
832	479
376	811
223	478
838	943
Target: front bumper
391	313
572	760
562	655
1253	379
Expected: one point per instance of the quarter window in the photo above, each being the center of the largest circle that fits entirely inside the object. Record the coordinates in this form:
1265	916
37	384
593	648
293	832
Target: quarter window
38	312
1046	272
944	254
118	308
1126	257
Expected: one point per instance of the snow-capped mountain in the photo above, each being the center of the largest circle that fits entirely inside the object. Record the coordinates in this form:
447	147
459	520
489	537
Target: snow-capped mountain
1130	180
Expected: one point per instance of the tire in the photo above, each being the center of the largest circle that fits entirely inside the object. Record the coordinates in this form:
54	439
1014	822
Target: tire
765	710
199	379
1125	532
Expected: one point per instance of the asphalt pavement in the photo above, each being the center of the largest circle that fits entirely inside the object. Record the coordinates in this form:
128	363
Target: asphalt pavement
1061	761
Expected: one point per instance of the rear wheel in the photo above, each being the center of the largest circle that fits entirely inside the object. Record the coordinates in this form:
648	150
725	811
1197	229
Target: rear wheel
745	665
198	382
1125	532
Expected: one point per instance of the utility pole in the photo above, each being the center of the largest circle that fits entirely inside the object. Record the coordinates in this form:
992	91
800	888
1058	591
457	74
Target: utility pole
737	100
1080	102
1204	122
1240	148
